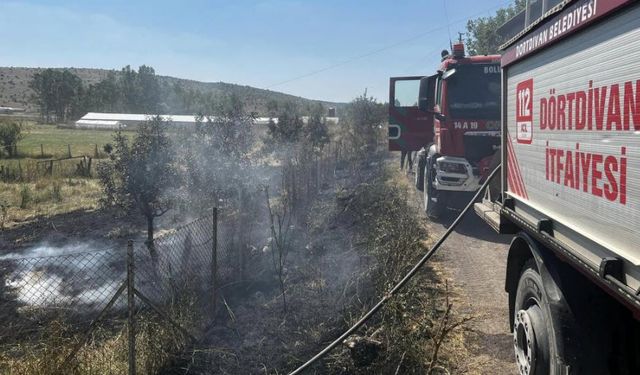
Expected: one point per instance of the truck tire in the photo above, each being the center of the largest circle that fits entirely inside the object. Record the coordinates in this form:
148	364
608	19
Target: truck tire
539	334
434	200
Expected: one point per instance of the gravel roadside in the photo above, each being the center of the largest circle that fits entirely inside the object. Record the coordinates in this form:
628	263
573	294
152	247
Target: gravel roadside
473	259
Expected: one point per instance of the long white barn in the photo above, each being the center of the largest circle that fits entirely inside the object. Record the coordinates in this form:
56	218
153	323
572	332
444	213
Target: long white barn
96	120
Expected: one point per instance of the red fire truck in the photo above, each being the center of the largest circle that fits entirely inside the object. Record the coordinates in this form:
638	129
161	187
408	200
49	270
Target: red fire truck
570	186
453	119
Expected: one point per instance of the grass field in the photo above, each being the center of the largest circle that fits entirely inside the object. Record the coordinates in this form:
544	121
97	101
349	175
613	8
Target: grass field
56	141
20	202
36	194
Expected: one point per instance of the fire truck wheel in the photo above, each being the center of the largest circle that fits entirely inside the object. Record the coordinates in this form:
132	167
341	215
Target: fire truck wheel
433	199
534	338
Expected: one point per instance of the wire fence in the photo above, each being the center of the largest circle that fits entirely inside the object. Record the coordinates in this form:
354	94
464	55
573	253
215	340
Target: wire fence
30	170
110	311
53	151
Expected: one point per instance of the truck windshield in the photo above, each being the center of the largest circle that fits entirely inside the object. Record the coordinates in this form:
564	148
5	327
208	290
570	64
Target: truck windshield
473	92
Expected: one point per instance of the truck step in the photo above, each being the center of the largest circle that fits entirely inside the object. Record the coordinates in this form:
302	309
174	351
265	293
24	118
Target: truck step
487	211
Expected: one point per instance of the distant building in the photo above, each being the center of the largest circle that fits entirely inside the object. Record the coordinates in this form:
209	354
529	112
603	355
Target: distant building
99	124
127	120
10	110
96	120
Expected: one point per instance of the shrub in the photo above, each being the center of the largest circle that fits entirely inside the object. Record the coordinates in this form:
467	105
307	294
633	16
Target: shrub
10	134
56	192
25	196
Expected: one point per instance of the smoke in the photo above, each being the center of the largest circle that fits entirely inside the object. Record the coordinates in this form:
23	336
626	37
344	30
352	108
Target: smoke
81	274
46	250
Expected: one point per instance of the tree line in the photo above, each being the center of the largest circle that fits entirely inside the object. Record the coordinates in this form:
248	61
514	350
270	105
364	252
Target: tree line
62	96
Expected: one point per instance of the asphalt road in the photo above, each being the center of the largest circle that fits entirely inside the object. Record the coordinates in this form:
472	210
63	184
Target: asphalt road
474	261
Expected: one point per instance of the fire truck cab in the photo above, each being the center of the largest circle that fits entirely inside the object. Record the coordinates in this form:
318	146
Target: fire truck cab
452	118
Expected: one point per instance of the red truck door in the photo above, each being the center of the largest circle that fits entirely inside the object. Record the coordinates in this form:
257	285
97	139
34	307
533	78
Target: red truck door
410	128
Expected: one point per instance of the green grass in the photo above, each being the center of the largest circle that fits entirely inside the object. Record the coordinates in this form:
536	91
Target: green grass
47	198
55	141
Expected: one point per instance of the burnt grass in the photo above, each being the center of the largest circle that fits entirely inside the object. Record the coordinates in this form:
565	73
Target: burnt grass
357	238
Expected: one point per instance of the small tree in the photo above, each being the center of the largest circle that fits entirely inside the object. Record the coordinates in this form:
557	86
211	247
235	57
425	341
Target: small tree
316	132
288	128
363	127
216	154
141	175
280	224
10	134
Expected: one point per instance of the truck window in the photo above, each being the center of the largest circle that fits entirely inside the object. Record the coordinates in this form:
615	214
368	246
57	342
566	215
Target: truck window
406	93
474	92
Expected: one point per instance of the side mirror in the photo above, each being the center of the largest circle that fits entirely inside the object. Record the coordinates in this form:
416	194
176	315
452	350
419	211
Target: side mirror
425	101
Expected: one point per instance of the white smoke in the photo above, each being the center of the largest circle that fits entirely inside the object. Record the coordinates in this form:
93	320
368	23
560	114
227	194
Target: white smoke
49	276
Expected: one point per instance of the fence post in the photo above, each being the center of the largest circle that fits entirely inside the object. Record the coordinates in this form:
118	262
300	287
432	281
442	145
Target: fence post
41	150
131	323
214	260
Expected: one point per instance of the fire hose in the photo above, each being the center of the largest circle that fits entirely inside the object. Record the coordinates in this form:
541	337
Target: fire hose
401	283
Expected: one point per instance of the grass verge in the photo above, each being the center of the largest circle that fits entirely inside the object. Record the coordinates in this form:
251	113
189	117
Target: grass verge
418	331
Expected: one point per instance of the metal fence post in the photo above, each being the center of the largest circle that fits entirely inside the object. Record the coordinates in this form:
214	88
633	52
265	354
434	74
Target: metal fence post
131	306
214	260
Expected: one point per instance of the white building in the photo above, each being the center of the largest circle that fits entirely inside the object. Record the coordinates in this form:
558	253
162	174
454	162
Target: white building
96	120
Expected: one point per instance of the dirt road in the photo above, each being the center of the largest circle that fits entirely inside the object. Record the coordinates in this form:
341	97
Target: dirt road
474	261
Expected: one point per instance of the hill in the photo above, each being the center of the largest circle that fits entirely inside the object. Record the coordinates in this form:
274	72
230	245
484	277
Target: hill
15	91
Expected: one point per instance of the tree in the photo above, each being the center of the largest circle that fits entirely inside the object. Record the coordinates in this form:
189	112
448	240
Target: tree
364	120
129	91
102	96
288	127
10	134
139	91
316	131
141	175
58	93
216	154
148	90
482	38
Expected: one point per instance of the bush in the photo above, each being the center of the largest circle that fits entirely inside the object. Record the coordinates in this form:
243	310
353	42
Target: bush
4	213
10	134
25	196
56	192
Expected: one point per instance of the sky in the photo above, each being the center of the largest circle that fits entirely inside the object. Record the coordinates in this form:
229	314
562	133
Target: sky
319	49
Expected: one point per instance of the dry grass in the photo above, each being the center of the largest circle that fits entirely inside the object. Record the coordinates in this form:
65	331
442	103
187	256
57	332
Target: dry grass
157	345
47	198
419	329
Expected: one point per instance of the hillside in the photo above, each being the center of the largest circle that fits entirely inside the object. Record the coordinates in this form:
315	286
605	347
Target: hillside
15	91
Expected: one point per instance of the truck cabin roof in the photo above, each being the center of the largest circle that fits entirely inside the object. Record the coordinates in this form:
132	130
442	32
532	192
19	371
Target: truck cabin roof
478	59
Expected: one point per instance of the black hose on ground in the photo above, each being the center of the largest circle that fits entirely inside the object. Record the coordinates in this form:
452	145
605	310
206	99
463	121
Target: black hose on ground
402	282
